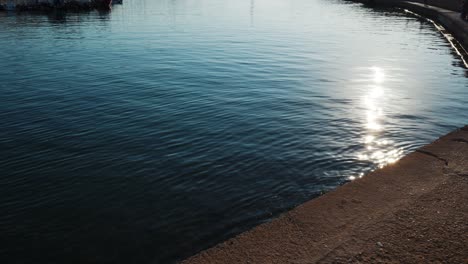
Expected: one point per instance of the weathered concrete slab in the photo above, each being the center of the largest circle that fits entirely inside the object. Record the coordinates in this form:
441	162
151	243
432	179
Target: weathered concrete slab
452	148
413	211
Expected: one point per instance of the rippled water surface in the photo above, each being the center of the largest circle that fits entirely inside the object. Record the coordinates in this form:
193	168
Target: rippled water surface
161	128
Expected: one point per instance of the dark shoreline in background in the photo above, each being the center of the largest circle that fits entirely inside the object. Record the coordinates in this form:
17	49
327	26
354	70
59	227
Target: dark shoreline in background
452	5
411	211
61	5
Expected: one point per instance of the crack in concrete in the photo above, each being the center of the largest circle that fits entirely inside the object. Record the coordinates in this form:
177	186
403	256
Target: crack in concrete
453	172
432	155
461	174
460	140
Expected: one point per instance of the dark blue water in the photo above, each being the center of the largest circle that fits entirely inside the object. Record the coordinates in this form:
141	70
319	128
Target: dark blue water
161	128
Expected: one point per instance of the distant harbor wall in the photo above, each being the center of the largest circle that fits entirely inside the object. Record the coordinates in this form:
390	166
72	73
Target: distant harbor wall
450	20
47	4
448	17
454	5
33	2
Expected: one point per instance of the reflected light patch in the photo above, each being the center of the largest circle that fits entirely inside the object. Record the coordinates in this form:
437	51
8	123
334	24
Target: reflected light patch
368	139
363	157
372	119
378	74
376	91
372	125
377	150
380	154
383	142
352	178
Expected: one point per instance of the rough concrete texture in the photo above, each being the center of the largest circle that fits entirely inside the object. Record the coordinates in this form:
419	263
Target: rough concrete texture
413	211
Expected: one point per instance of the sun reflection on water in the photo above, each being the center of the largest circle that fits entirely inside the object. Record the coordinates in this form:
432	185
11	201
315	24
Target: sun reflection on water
377	149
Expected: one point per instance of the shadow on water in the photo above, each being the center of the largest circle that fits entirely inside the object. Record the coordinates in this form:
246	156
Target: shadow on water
57	17
62	16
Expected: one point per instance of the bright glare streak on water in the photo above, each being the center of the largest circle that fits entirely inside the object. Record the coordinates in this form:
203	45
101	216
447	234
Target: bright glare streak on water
379	151
378	75
151	132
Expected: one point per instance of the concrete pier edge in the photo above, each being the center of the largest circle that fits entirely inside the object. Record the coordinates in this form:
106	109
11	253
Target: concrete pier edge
450	20
412	211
